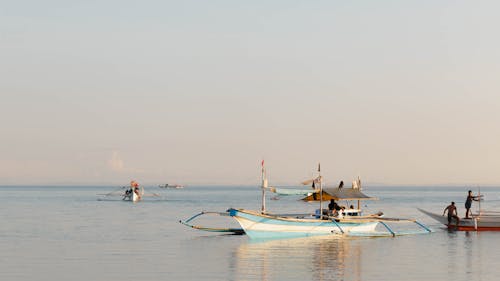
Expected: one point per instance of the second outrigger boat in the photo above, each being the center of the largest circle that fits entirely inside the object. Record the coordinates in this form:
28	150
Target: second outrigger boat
484	221
351	222
480	221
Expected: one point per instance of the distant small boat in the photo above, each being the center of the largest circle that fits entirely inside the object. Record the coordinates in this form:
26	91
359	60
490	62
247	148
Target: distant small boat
177	186
134	193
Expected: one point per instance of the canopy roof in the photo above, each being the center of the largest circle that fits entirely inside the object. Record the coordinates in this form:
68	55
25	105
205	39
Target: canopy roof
340	194
347	193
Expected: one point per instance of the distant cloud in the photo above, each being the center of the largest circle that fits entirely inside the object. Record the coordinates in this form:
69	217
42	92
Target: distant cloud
115	163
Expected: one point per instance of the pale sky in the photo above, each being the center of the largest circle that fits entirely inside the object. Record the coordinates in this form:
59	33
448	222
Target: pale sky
198	92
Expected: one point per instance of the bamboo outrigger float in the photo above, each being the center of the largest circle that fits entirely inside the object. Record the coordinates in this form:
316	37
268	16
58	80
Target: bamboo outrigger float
350	222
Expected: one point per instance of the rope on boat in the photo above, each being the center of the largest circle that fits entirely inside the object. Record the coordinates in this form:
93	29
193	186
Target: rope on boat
211	229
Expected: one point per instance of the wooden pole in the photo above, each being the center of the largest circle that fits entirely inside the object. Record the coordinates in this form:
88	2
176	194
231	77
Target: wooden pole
320	193
263	186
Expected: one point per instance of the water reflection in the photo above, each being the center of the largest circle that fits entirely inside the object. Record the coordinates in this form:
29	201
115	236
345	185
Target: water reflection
464	254
318	258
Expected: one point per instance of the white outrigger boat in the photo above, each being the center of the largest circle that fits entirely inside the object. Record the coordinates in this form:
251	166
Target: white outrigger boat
258	225
350	222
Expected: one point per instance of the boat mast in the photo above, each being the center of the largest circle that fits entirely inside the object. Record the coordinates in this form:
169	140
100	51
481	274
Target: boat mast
358	183
320	192
263	186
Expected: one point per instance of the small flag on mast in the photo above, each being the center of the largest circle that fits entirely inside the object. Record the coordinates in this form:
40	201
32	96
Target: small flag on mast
319	167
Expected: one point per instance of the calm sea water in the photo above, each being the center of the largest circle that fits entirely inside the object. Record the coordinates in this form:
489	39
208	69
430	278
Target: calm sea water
65	233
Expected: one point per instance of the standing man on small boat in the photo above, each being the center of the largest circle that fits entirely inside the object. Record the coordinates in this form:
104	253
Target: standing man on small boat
452	213
468	203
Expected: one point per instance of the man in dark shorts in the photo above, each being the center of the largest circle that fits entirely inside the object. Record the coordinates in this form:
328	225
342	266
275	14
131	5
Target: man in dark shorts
452	213
468	203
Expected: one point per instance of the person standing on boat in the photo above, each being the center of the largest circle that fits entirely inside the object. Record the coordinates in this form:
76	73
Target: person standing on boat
452	213
468	203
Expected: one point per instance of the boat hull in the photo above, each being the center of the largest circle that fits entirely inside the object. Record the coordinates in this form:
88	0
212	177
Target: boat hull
135	197
475	223
258	226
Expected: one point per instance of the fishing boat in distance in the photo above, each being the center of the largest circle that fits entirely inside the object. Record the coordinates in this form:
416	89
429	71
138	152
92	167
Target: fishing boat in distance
349	222
133	193
480	221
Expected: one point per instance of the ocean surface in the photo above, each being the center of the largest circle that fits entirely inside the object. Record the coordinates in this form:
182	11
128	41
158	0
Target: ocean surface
66	233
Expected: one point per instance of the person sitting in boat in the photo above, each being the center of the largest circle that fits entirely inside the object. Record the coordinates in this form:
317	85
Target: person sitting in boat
127	194
452	213
468	203
352	211
333	207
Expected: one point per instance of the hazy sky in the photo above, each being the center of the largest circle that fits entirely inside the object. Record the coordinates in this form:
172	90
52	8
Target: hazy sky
198	92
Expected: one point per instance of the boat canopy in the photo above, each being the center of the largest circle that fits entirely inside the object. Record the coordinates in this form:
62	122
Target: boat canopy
347	193
337	193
